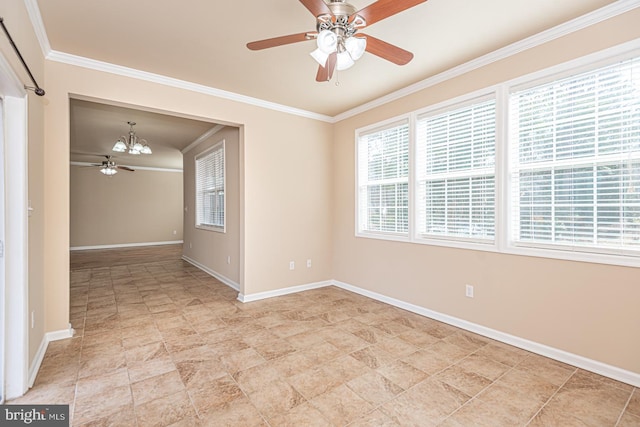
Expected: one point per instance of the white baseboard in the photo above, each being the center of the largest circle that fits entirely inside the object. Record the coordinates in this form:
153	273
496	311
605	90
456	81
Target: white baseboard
125	245
213	273
610	371
600	368
44	344
283	291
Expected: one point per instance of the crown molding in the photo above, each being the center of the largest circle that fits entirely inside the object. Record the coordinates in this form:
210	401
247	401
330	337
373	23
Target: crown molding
612	10
142	168
106	67
38	26
208	134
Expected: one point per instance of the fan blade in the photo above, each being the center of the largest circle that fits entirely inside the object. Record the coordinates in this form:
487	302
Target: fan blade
383	9
126	168
279	41
325	73
388	51
316	7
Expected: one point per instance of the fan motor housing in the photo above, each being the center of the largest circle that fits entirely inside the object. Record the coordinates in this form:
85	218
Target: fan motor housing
341	8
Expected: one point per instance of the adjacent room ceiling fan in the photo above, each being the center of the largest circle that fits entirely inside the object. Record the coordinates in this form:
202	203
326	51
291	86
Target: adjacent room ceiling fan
109	166
337	34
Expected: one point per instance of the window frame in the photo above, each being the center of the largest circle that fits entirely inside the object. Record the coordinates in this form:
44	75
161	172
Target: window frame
452	105
378	127
504	241
220	145
601	255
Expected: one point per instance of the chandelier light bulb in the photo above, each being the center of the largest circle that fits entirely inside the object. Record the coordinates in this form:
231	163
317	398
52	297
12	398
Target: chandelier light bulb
344	61
327	41
120	147
356	47
320	57
109	171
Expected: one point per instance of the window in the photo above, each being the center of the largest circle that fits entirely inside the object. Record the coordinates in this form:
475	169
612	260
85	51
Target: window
210	185
383	180
545	165
455	172
575	161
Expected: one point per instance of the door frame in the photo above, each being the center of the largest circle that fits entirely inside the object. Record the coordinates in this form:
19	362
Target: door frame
15	295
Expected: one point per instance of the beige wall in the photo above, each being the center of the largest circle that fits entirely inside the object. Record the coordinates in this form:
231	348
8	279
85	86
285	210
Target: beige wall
17	21
285	211
297	202
211	248
144	206
587	309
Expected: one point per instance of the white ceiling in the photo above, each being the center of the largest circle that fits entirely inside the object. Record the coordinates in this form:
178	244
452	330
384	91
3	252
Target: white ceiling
95	127
204	42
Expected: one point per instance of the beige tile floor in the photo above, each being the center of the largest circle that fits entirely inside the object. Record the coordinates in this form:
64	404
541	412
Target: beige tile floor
162	343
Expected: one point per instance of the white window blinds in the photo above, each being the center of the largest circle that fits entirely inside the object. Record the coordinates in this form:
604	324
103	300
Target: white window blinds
383	180
210	183
575	161
455	173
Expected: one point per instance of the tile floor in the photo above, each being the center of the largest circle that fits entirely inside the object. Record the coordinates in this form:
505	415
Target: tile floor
161	343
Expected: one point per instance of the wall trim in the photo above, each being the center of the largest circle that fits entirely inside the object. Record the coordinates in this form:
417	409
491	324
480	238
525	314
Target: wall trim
607	12
42	350
125	245
92	64
220	277
283	291
587	364
208	134
38	25
582	362
15	284
144	168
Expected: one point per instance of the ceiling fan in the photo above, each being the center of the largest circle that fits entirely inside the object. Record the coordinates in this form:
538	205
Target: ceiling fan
339	42
110	168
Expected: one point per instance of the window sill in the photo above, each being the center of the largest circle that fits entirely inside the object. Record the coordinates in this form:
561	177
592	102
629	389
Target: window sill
577	255
211	228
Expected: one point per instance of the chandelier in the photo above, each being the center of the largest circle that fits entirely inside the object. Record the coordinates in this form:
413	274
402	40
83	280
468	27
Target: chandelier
131	143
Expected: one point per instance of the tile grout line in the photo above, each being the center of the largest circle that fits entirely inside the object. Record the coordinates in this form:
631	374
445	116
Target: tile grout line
473	398
552	396
626	405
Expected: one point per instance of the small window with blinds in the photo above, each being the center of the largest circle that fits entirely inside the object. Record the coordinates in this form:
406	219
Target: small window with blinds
210	186
383	180
575	162
455	173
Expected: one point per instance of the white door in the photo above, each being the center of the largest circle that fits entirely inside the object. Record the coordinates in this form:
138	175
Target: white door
14	344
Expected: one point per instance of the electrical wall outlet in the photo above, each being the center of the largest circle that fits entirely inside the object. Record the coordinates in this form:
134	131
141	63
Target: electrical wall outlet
292	265
228	259
468	291
309	263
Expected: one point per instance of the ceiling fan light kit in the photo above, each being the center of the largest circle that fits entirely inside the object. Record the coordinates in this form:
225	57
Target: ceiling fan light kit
131	143
338	47
109	167
109	170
